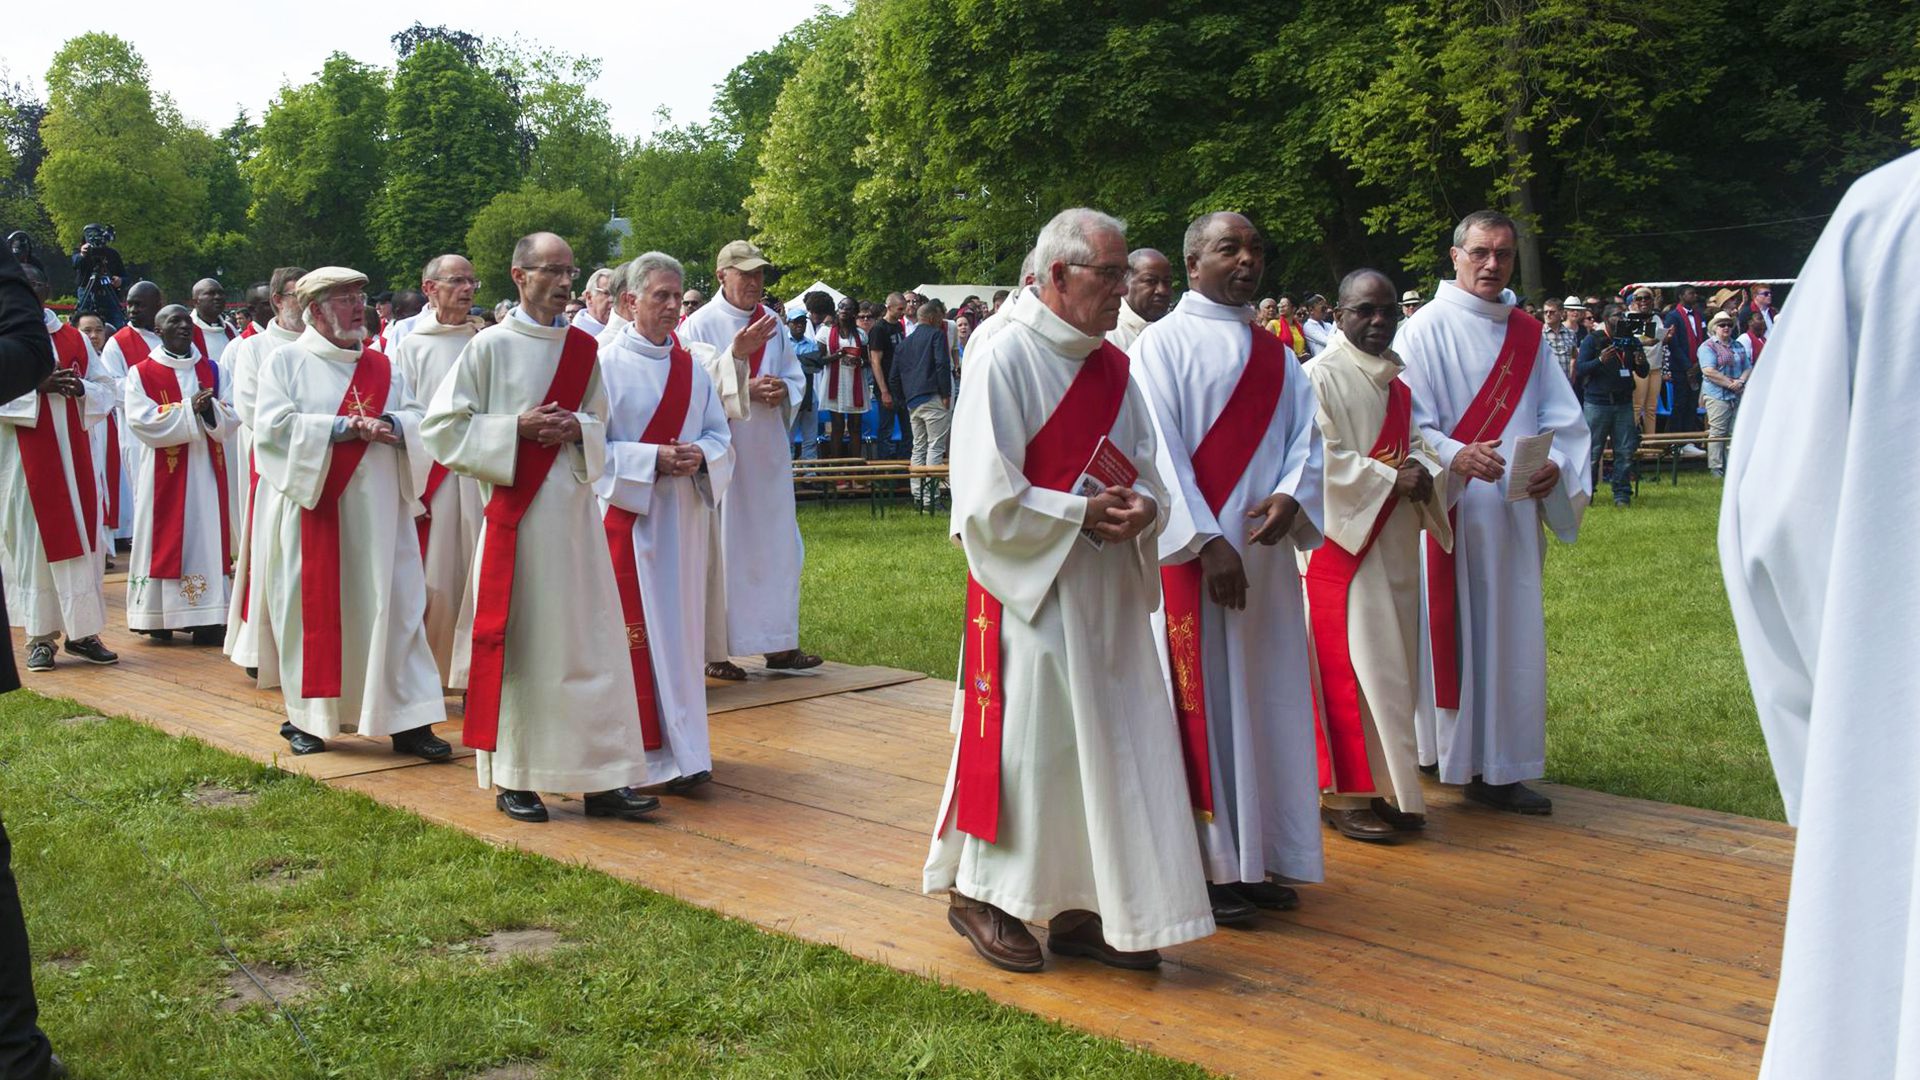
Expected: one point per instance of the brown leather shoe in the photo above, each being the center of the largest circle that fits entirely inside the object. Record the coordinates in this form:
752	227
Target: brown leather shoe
999	938
1391	814
1357	824
1085	938
1269	894
727	670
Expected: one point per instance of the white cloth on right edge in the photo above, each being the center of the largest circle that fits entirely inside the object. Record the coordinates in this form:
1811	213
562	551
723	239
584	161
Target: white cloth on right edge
1819	512
1094	810
1499	733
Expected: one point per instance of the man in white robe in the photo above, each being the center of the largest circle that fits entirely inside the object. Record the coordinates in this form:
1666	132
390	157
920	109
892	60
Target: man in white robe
760	551
339	560
244	645
53	566
1060	713
449	531
1149	296
597	300
129	345
669	457
1483	377
620	310
550	692
1241	458
178	576
1383	486
1819	510
210	329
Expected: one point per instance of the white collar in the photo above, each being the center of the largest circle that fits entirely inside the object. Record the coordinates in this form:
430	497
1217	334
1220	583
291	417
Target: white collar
311	341
1055	332
1192	303
559	321
1449	293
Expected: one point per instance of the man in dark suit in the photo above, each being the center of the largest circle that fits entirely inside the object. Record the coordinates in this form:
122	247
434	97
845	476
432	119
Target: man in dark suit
26	357
1686	331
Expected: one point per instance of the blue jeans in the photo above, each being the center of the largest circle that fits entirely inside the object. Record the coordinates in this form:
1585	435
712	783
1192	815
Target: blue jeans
1614	422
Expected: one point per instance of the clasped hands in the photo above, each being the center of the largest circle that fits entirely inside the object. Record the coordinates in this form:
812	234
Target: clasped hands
1480	461
675	458
64	382
1118	513
371	429
549	425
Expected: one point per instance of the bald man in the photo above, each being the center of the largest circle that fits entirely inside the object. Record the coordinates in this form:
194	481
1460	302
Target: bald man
1149	295
129	345
211	333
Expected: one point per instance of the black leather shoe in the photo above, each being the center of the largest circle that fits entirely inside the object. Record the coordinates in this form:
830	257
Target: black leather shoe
92	650
253	673
1431	770
680	785
1229	907
1269	894
157	635
40	656
1393	816
302	742
209	635
56	1069
423	743
621	802
1516	798
521	805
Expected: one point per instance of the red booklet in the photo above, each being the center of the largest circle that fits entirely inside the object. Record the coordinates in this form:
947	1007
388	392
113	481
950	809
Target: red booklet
1107	468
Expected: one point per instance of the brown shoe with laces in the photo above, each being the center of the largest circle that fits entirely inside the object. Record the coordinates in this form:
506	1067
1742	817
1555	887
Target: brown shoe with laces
999	938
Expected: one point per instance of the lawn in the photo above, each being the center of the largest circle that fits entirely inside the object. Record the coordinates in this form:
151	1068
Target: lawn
383	919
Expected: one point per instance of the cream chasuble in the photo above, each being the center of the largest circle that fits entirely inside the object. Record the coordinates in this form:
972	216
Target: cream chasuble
244	359
1125	331
176	437
425	356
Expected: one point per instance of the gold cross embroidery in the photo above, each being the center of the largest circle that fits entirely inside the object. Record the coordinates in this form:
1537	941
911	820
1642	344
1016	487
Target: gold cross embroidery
173	458
985	700
357	403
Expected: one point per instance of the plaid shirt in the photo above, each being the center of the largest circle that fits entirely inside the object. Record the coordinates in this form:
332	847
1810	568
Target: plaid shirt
1561	342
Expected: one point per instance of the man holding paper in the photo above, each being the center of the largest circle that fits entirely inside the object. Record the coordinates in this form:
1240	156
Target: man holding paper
1474	364
1241	456
1066	800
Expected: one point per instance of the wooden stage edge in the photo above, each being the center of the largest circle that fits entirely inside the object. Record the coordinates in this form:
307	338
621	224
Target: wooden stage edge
1616	938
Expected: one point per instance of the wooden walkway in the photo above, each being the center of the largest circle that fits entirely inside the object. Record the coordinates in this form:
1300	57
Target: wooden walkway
1617	938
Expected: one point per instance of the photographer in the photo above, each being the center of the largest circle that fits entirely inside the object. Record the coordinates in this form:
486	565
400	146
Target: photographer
1611	364
97	276
1642	322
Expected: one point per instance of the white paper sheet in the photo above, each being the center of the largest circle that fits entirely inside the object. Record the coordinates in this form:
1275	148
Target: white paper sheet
1529	456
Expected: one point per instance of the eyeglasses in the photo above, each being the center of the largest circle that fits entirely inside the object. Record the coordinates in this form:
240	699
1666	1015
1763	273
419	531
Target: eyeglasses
357	299
1480	255
571	273
456	282
1369	312
1111	275
1764	292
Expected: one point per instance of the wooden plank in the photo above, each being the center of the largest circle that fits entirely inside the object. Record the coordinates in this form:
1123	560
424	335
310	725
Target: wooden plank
765	687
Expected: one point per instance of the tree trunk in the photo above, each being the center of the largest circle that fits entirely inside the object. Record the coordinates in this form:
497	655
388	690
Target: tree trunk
1520	206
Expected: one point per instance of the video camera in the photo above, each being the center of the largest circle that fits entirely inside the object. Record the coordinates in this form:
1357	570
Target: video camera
97	235
1638	323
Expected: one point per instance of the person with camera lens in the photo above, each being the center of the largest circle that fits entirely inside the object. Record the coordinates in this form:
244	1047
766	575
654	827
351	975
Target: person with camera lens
1613	365
97	276
1642	324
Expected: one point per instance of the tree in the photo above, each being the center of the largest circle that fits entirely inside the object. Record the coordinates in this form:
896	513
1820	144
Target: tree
446	156
21	153
687	198
529	209
317	168
110	155
571	137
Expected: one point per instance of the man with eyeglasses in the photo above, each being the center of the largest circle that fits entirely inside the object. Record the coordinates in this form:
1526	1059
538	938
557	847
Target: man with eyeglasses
1241	458
449	531
550	691
597	301
1149	295
1383	486
336	554
1482	379
242	644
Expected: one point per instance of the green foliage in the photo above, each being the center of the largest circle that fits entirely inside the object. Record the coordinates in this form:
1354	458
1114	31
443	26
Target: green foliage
573	140
448	152
513	214
685	196
317	168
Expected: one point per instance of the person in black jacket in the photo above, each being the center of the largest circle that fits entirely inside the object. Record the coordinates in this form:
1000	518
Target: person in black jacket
1609	360
923	375
26	357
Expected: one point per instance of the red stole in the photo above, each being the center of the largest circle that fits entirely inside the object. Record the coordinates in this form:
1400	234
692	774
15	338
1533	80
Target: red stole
1695	333
753	362
320	534
252	329
840	362
1330	572
494	593
1486	417
200	339
135	350
1055	457
162	384
45	471
668	418
1218	463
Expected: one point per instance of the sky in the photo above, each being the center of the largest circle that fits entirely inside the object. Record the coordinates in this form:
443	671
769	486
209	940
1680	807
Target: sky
686	47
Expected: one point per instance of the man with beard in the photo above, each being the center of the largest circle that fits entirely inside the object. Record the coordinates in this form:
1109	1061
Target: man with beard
1242	461
1149	295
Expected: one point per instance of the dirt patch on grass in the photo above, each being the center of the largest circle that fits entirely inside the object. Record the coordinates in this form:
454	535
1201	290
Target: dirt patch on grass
214	796
81	721
67	961
285	984
503	945
281	873
513	1070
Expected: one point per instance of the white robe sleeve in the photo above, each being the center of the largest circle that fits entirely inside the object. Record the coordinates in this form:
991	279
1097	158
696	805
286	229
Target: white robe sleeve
23	411
292	449
588	457
403	408
781	362
1560	413
459	432
1303	475
157	425
715	441
103	390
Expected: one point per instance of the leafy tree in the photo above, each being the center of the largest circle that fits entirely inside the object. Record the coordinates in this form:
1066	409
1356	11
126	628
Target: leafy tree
513	214
446	156
21	153
317	168
686	198
571	137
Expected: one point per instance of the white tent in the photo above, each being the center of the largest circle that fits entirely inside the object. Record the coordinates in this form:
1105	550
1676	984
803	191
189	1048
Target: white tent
796	306
952	295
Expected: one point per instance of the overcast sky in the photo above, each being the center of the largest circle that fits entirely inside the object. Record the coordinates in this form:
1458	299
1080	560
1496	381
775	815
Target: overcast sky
653	53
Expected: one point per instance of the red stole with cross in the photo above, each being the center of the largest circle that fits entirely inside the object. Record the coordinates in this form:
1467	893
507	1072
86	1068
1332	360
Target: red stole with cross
846	360
1218	463
1055	457
162	385
46	472
493	595
668	418
1486	417
1330	571
366	395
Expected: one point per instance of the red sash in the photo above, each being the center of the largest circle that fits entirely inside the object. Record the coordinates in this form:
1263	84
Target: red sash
200	339
494	593
252	329
668	417
1330	571
320	534
1056	455
839	362
162	384
1694	332
134	350
46	473
1218	463
1486	417
436	475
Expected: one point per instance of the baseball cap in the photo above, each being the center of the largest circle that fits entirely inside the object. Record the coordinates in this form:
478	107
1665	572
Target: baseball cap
740	255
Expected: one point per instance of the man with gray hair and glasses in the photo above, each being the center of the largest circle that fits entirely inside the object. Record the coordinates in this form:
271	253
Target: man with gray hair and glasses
1066	801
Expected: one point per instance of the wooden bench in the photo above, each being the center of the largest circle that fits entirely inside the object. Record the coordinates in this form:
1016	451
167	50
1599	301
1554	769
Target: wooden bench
881	482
